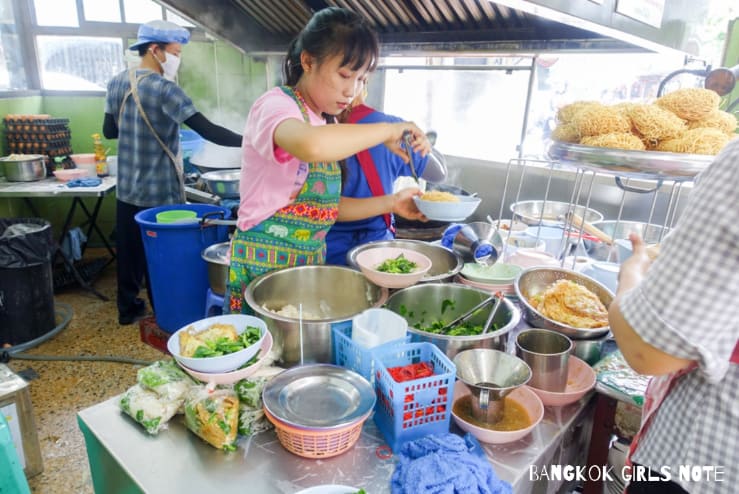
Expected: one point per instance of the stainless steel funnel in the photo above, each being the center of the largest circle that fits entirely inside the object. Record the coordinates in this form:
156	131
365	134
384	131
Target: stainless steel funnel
478	242
490	375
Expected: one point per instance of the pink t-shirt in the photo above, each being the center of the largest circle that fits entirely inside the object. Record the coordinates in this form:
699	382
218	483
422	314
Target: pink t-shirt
270	177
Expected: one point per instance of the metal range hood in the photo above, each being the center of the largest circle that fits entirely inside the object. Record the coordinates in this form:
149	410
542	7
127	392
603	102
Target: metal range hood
418	26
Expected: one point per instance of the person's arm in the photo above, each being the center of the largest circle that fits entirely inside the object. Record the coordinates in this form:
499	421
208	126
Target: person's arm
400	203
110	129
212	132
640	355
335	142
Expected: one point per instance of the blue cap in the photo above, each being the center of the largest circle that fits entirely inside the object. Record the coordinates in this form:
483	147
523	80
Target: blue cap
161	32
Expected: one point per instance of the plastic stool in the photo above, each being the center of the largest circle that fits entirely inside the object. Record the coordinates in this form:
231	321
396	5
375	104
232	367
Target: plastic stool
14	480
213	304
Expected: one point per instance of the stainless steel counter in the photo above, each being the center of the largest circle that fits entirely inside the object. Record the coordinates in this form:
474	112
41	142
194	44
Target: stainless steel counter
123	458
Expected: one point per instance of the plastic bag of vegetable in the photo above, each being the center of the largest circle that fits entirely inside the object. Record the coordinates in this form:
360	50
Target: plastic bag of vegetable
213	416
166	379
251	415
148	408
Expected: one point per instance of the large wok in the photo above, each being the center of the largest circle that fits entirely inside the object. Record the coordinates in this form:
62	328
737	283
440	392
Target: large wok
213	157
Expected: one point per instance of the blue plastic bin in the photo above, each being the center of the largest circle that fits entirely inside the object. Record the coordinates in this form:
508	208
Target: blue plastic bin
178	274
190	144
355	357
408	410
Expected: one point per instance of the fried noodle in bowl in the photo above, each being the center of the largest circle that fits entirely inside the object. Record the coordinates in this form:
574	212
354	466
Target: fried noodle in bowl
439	196
571	303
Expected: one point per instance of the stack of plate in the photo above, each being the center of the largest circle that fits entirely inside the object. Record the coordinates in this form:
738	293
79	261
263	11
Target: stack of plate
498	277
318	410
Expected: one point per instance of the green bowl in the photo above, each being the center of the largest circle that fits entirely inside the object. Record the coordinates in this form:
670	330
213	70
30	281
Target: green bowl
176	216
496	274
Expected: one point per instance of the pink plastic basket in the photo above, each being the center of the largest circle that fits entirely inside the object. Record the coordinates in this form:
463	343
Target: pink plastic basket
408	410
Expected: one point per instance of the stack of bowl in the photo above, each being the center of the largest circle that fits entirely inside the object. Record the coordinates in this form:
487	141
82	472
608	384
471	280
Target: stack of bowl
318	410
228	368
498	277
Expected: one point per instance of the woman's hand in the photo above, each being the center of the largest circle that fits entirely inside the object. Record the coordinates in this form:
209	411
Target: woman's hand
634	268
404	206
419	142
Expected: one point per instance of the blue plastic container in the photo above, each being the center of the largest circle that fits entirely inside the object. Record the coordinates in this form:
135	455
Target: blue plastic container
347	353
408	410
190	144
178	273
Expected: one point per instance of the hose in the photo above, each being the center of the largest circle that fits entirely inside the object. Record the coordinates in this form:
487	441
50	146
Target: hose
63	312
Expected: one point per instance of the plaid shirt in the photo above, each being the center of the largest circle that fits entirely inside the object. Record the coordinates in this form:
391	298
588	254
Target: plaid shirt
688	306
146	176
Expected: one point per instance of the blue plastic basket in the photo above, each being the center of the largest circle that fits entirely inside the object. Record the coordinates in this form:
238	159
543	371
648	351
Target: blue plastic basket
356	357
408	410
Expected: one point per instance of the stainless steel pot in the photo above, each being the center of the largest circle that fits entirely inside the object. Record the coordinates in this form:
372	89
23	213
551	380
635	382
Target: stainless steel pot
217	258
445	264
223	183
23	167
329	295
425	304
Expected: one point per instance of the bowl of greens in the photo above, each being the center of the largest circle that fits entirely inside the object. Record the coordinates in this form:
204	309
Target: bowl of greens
393	267
217	344
429	307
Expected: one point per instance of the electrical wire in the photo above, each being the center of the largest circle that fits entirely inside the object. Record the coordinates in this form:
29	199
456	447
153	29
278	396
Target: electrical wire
64	312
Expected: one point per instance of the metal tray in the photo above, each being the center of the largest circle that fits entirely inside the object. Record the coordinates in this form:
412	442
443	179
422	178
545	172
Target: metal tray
319	396
626	163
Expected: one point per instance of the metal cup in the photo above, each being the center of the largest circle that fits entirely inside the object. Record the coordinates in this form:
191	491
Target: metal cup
547	353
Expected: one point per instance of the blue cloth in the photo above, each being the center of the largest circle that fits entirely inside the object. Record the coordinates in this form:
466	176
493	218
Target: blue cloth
72	244
85	182
445	464
389	167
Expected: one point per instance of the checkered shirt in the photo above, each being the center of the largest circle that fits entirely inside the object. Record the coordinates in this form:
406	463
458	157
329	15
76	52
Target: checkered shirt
146	176
688	306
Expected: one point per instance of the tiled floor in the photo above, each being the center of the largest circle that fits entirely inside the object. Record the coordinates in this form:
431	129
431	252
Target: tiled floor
63	388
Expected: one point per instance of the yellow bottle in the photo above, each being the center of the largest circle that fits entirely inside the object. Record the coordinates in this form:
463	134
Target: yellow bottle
101	162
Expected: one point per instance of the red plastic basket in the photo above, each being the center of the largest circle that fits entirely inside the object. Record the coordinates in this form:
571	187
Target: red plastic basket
411	409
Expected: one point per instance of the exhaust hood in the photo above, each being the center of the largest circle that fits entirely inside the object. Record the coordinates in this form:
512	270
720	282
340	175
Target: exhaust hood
418	26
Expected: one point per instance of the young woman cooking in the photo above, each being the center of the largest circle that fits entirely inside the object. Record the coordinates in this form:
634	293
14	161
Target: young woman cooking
290	176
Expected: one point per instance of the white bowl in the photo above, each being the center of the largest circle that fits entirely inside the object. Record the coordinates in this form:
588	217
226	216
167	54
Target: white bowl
448	211
522	395
238	374
370	258
223	363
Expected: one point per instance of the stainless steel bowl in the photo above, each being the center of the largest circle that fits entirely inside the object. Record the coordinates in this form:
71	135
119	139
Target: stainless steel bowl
334	294
23	167
551	213
618	230
425	304
217	258
223	183
445	264
535	280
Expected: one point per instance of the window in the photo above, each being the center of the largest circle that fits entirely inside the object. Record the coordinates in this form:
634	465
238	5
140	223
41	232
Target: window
78	63
56	13
102	10
477	112
12	73
141	11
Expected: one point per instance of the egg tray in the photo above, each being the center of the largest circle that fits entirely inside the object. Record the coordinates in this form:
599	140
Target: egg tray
39	136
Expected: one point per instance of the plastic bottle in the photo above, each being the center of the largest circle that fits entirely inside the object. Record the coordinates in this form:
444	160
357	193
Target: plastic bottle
101	162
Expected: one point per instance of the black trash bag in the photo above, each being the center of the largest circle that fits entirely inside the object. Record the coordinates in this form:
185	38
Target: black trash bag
25	242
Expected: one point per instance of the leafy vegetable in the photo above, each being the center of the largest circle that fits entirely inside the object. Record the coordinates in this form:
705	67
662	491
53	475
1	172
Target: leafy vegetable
399	265
224	346
464	329
447	304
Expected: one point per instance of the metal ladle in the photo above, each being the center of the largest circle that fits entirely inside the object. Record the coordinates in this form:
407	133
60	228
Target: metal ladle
493	311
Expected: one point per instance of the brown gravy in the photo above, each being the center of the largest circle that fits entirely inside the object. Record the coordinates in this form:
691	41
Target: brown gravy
515	416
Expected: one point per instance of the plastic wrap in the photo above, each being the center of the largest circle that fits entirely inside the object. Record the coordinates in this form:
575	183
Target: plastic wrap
148	408
251	414
166	379
614	373
213	416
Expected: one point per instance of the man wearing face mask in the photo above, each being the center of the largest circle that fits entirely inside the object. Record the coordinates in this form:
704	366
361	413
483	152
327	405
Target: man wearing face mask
144	109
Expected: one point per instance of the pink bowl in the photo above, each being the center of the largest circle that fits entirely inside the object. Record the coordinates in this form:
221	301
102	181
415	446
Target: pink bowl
506	289
239	374
70	174
522	395
370	258
83	159
528	258
580	379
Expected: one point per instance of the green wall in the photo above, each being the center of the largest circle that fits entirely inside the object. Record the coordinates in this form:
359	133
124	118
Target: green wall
221	81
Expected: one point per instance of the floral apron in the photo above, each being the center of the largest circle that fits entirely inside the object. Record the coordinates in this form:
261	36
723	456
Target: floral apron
293	236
